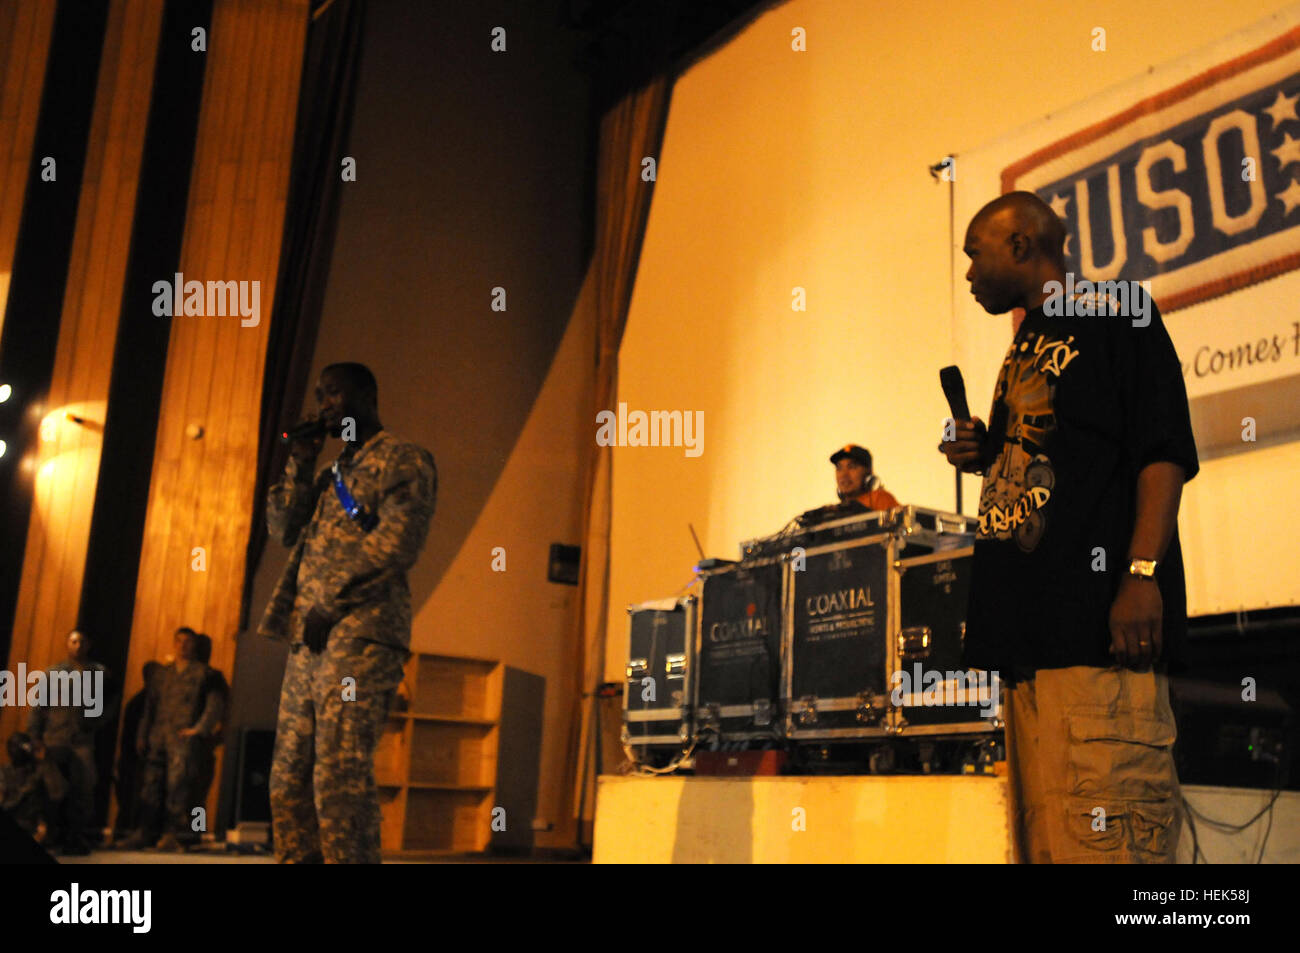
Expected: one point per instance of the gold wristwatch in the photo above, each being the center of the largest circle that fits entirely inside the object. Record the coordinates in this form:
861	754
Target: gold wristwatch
1143	569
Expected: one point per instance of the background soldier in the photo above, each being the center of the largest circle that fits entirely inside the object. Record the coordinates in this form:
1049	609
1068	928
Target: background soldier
66	735
129	767
32	789
177	716
344	605
214	703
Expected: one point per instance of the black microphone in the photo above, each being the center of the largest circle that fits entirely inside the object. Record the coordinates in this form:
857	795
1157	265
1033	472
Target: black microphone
307	430
954	388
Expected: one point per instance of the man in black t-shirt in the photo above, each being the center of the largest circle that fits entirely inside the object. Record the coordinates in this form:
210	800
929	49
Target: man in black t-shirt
1077	592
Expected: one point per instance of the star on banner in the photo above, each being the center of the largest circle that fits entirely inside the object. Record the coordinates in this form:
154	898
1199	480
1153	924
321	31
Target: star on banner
1283	108
1289	197
1058	204
1287	152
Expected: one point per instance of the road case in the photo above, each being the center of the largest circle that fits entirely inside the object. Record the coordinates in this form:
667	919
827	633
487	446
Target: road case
922	530
738	651
657	691
930	690
841	599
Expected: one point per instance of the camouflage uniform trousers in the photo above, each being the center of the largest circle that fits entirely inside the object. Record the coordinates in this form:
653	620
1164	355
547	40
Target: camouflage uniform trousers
324	802
39	793
81	790
76	810
167	784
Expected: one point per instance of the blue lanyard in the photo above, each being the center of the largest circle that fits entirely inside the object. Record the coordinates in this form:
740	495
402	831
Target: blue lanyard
356	512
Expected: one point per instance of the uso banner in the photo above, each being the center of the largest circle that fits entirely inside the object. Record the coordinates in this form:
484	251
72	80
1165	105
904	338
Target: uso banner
1188	178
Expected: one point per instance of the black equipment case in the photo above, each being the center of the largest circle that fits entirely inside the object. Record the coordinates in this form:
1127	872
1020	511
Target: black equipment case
841	599
933	591
808	639
657	691
738	651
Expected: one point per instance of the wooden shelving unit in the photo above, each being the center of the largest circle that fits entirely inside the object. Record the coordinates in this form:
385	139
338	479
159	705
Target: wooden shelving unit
436	765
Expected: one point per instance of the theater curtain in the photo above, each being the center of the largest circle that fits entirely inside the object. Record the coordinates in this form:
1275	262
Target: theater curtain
329	79
630	131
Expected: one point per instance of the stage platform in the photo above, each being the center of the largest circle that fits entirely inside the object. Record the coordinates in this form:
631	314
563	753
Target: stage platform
873	819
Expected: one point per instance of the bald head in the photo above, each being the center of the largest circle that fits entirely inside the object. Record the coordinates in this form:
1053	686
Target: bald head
1016	244
1026	213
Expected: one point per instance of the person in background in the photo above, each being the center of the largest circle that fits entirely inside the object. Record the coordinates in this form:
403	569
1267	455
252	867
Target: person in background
33	789
176	713
855	481
859	490
214	704
66	733
129	768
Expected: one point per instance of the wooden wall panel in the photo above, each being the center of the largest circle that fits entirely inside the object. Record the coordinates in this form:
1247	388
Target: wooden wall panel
201	491
67	457
25	30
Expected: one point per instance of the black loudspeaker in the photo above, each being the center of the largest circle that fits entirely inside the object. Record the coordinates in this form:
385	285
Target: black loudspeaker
17	846
253	780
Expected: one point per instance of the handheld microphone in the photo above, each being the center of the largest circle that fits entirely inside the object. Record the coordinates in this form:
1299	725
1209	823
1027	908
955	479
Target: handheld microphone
306	430
954	388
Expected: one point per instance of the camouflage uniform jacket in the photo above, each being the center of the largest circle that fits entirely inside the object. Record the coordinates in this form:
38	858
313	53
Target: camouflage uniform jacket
73	726
357	578
180	700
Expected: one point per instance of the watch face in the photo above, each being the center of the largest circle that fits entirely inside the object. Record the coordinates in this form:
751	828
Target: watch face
1142	567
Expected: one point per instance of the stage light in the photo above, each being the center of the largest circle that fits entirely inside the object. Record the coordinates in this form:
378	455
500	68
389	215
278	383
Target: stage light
5	391
3	447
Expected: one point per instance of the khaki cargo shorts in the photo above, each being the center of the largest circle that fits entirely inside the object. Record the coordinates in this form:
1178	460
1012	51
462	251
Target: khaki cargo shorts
1090	768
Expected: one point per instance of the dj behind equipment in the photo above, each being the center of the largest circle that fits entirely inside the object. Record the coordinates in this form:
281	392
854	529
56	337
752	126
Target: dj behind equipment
831	646
858	487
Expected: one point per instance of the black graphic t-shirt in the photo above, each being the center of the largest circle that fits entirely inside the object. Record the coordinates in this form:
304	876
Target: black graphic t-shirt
1081	405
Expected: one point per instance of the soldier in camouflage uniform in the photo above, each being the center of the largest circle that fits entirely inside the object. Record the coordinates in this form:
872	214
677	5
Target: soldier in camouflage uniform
33	789
216	699
66	733
344	605
129	759
179	718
